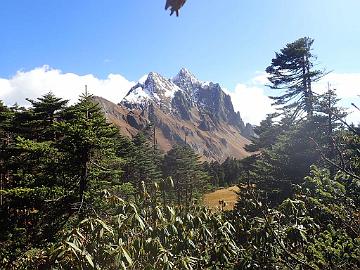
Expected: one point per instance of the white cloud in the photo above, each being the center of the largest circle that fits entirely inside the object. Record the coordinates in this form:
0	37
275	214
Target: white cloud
37	82
347	85
260	79
251	102
354	114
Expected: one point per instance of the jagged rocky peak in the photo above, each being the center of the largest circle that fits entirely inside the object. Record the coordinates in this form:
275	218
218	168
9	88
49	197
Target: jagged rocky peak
186	97
186	80
154	89
157	84
213	98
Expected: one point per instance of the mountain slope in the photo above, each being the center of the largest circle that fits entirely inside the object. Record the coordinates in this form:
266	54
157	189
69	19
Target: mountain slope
183	110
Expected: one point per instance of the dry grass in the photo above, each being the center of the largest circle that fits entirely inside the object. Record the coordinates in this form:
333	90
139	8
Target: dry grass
227	194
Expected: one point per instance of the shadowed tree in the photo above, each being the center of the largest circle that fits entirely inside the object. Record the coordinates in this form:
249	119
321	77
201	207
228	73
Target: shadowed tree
184	167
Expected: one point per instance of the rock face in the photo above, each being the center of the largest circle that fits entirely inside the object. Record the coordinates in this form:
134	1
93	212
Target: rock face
183	110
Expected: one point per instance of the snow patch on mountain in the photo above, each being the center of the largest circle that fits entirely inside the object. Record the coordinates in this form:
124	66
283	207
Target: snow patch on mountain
152	88
138	95
185	78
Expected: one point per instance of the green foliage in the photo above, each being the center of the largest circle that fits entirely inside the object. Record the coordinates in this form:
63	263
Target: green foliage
299	207
183	166
41	164
316	229
267	133
145	235
224	174
334	249
286	162
85	134
60	165
142	162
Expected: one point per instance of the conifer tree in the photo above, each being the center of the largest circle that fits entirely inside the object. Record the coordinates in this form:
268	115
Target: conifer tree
84	132
330	116
232	170
284	164
46	111
21	124
142	163
267	133
31	172
183	165
5	115
292	70
216	173
33	130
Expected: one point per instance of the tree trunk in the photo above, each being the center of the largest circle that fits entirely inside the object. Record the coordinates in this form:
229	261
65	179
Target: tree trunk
83	178
307	86
330	133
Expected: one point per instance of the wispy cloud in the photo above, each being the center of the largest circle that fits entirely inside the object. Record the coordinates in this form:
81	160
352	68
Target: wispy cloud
347	85
38	81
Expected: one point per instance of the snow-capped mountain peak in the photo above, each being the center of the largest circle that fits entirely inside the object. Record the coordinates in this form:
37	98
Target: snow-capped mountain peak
185	74
182	95
155	88
159	85
186	80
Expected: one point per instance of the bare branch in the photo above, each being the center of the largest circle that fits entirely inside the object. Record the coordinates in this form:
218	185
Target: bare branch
100	167
333	163
346	124
353	104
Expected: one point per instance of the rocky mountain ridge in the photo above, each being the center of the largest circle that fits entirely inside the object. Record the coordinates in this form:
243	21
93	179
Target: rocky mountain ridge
183	110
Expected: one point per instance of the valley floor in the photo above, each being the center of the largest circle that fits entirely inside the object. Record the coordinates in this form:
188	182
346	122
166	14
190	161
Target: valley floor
226	194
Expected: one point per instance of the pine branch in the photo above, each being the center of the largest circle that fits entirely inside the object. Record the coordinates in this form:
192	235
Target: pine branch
100	167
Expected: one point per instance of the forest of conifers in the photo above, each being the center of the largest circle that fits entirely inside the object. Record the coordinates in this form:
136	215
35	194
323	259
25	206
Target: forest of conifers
75	194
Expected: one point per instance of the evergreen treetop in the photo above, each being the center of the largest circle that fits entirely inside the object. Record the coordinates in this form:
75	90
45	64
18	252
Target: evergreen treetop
292	70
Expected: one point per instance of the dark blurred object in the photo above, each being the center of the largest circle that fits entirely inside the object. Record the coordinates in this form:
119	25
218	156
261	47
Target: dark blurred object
174	6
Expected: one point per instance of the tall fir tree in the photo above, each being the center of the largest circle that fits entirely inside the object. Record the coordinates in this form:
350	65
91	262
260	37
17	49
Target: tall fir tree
267	133
330	116
84	131
184	167
46	111
142	163
30	167
284	164
5	121
292	70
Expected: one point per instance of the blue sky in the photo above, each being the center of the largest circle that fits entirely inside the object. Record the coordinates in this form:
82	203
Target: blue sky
230	42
